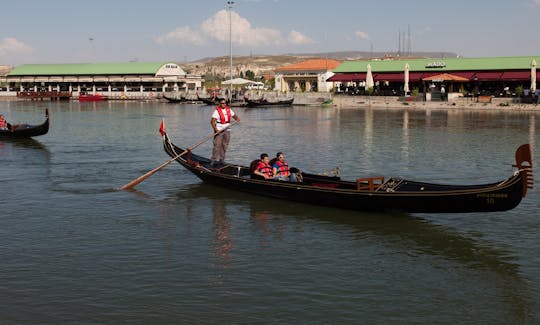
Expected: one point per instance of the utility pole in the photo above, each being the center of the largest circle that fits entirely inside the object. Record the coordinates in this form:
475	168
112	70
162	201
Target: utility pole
229	5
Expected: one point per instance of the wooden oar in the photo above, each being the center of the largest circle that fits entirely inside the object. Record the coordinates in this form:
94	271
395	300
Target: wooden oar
138	180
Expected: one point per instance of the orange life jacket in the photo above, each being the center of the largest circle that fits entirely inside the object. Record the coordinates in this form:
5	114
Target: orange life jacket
283	168
264	168
222	118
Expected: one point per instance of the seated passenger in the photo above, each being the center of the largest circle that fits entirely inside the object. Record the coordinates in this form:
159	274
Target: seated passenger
4	125
281	169
263	168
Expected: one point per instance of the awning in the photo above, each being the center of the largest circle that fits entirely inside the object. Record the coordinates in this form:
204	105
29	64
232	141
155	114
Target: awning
27	79
445	77
516	75
86	79
237	81
390	77
418	76
487	76
13	79
41	79
465	74
116	79
343	77
70	79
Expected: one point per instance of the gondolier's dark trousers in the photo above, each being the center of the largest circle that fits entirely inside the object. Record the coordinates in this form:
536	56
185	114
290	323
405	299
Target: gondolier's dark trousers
221	143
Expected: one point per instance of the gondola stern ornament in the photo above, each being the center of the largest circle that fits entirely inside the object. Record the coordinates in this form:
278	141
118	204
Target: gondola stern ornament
524	163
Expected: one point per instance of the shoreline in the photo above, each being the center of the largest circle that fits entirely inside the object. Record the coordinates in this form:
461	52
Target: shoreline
502	104
391	102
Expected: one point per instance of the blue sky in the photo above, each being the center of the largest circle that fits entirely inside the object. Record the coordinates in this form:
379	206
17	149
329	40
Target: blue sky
61	31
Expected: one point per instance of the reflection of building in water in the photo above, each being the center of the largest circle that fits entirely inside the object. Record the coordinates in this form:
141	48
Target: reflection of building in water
532	129
405	138
223	243
368	138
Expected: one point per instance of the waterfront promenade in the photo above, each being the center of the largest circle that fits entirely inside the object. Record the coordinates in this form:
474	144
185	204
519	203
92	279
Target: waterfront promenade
458	103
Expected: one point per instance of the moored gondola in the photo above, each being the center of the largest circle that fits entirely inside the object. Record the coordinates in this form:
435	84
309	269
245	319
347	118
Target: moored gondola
26	130
175	98
370	193
267	102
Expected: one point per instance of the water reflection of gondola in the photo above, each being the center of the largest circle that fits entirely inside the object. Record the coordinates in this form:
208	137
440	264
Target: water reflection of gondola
405	232
8	145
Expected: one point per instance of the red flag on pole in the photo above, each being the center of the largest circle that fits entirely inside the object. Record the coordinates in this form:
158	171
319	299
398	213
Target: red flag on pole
162	127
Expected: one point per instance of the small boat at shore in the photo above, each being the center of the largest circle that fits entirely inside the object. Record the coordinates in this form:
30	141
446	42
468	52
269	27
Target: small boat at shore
269	102
377	194
174	99
27	130
92	98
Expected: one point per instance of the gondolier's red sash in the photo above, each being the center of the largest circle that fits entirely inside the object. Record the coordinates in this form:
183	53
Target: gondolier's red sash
283	168
222	118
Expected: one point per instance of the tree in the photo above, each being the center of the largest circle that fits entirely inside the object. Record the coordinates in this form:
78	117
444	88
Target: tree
250	75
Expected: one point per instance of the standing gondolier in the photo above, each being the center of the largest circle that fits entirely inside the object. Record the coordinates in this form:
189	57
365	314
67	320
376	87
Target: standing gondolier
220	121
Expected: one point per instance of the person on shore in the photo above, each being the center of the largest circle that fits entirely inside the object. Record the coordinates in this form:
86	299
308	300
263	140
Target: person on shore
263	168
281	169
443	93
220	122
4	125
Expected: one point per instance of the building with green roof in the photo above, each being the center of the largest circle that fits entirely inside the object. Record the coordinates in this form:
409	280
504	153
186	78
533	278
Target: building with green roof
490	75
146	79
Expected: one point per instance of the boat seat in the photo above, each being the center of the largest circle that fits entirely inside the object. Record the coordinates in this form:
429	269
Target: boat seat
369	183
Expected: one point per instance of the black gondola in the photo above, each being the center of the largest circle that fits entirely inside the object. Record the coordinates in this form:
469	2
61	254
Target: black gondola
266	102
371	193
26	130
210	100
174	99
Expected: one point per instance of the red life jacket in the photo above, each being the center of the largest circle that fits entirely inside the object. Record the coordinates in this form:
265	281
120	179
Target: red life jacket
264	168
222	118
283	168
3	124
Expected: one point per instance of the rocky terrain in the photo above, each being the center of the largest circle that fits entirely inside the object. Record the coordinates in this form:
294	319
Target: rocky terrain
260	65
264	65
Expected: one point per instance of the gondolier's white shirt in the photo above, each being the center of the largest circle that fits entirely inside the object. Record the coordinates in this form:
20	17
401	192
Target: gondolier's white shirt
218	119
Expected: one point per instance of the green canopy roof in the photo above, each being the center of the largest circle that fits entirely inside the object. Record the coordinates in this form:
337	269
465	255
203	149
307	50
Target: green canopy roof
128	68
440	64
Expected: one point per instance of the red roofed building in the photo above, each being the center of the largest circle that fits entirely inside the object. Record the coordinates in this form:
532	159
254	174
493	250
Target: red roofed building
309	76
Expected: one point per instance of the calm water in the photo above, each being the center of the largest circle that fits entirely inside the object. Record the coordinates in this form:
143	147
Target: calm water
74	249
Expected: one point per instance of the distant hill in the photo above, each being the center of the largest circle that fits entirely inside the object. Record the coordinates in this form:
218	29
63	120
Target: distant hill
266	64
359	55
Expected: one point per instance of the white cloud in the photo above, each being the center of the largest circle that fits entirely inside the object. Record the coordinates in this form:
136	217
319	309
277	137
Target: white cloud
243	33
12	45
298	38
537	2
182	34
362	35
